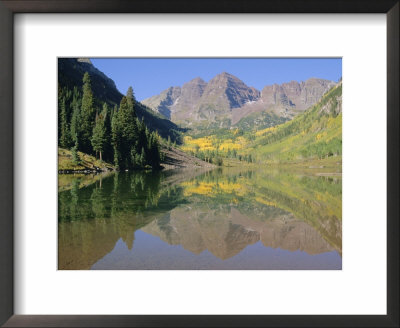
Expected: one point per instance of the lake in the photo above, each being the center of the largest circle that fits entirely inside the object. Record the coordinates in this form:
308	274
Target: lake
224	218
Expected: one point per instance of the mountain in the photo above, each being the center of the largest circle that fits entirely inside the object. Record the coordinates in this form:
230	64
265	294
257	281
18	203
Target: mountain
70	74
223	93
226	232
311	136
197	101
286	100
316	133
226	101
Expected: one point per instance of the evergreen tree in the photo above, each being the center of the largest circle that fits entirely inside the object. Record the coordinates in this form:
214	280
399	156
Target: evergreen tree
59	113
142	158
116	139
116	134
65	137
135	160
154	150
114	110
64	99
87	114
142	134
108	152
74	150
130	99
99	135
75	126
129	134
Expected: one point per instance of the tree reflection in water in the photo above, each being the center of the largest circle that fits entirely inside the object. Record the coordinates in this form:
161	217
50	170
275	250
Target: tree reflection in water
222	211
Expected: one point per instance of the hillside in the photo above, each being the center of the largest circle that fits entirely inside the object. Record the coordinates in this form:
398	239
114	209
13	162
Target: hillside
317	133
223	118
86	164
70	74
174	158
226	101
313	136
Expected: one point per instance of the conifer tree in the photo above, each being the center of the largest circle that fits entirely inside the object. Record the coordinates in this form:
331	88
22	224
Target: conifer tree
74	150
59	113
154	150
142	158
87	114
99	135
142	135
116	134
65	137
107	114
114	110
129	134
130	99
75	125
127	123
116	138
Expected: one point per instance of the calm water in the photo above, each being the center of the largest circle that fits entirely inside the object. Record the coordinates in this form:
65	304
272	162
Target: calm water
219	219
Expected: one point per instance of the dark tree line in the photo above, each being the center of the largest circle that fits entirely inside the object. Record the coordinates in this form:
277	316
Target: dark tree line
111	134
216	157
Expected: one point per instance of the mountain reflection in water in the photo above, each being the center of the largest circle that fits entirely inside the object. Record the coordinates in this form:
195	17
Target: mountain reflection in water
219	219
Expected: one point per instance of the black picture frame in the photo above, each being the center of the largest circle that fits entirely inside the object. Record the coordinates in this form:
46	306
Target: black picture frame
10	7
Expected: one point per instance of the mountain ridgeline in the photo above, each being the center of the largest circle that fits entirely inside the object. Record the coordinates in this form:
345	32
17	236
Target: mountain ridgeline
226	101
315	134
219	119
211	175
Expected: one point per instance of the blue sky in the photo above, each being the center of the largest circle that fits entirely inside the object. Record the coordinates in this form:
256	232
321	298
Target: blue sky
150	76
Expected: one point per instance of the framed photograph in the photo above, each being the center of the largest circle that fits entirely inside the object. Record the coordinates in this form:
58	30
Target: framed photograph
190	178
214	164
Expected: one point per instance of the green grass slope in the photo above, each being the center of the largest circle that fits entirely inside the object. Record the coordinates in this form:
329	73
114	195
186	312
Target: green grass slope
86	163
315	134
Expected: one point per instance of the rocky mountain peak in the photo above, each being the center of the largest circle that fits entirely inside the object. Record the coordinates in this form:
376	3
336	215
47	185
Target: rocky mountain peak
225	98
196	80
224	78
193	89
229	91
293	94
